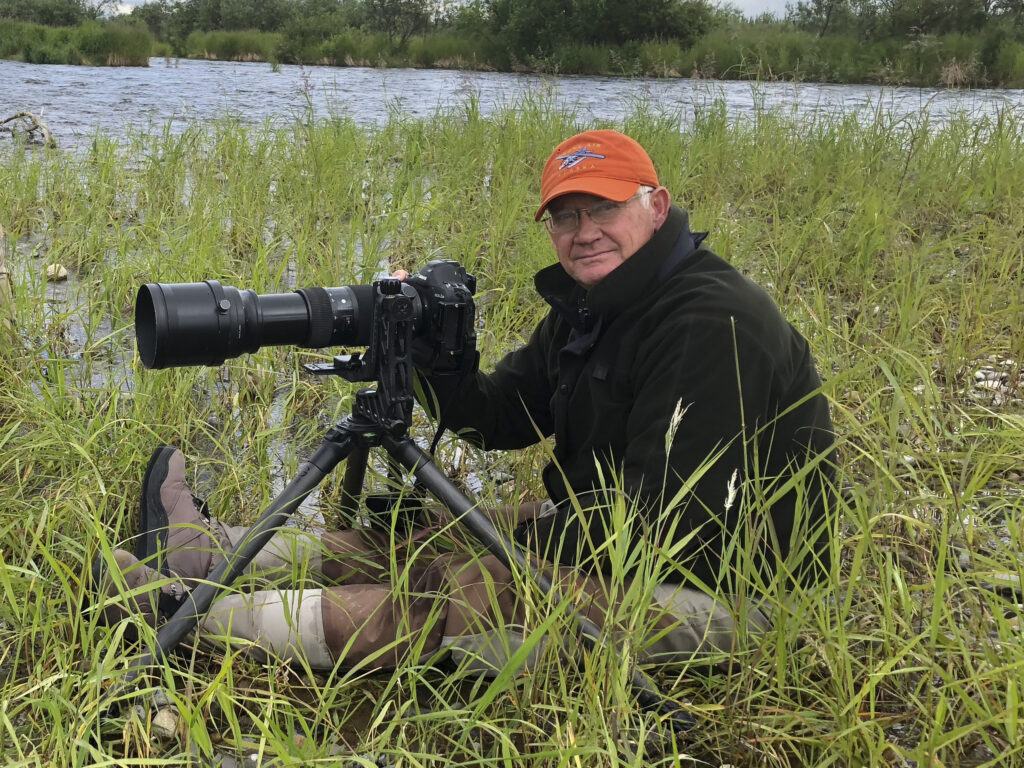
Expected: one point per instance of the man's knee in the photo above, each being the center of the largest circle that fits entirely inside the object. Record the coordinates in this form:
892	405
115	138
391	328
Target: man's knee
286	625
695	625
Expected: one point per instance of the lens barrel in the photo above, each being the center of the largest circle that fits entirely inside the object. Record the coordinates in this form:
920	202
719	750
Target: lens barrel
206	323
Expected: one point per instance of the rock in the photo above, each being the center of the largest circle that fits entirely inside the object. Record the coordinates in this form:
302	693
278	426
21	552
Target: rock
56	273
165	723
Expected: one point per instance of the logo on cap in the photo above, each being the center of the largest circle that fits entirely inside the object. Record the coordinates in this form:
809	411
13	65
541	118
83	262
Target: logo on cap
576	157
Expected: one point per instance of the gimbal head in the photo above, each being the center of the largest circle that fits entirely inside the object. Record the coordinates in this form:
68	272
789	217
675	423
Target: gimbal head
387	361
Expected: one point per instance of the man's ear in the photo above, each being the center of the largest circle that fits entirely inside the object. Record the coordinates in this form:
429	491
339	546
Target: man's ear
661	201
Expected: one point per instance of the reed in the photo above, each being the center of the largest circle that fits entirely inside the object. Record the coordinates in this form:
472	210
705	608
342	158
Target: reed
893	245
780	52
246	45
107	44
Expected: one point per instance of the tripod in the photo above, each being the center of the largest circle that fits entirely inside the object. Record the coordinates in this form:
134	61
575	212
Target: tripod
380	418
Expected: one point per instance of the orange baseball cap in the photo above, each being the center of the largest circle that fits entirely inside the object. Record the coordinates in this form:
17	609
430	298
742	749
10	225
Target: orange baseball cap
608	164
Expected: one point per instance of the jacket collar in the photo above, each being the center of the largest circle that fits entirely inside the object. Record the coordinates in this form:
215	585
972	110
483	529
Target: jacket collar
622	287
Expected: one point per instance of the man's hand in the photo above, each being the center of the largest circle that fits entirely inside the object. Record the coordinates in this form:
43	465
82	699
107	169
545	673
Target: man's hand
430	358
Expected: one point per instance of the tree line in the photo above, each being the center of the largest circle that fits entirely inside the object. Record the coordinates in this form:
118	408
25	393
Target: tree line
959	42
532	26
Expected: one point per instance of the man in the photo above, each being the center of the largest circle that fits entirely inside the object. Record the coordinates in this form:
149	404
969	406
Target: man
645	320
676	394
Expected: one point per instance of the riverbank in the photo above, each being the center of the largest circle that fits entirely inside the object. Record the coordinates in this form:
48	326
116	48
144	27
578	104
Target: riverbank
892	245
762	52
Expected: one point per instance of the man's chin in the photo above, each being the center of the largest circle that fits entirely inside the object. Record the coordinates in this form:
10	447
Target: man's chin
589	272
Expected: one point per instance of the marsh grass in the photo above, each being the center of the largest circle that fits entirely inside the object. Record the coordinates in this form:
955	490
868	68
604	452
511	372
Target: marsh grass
247	45
780	52
106	44
893	245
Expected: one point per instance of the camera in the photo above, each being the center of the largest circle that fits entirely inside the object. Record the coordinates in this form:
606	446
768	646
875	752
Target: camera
180	324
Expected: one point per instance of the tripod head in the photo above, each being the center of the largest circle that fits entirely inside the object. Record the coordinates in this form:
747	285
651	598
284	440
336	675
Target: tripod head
387	360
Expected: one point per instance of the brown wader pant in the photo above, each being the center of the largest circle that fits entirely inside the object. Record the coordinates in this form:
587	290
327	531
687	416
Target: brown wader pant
343	598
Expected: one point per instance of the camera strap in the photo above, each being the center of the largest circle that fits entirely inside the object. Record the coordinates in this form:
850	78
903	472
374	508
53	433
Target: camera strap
437	437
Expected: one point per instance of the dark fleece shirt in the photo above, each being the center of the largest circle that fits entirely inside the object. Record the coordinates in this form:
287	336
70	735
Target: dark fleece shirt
604	371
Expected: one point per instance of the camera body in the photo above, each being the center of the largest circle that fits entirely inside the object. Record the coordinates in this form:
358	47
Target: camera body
446	341
181	324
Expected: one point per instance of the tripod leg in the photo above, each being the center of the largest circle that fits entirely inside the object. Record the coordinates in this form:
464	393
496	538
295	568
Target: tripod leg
355	475
514	557
338	444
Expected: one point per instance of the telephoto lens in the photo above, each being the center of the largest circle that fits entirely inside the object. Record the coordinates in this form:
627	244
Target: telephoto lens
178	324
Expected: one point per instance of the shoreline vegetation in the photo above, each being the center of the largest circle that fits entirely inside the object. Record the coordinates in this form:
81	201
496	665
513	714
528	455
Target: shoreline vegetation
828	42
893	245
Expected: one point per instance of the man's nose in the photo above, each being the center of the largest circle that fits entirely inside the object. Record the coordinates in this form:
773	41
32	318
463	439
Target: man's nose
587	229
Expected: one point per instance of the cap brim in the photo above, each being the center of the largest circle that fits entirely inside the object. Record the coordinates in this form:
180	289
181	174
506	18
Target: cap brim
610	189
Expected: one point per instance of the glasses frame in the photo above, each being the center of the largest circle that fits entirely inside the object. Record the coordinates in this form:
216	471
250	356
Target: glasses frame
611	210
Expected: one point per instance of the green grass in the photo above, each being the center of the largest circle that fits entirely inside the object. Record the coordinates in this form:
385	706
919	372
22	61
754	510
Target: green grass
893	245
247	45
780	52
107	44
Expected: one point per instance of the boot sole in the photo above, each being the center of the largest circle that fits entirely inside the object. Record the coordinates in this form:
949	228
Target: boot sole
151	541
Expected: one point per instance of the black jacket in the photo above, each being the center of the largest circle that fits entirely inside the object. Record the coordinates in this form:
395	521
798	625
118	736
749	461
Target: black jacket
604	371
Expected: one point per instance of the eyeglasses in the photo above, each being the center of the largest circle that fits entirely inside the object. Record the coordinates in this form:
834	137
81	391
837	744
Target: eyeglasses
603	212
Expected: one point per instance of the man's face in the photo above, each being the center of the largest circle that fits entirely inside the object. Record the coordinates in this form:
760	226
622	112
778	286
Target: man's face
589	252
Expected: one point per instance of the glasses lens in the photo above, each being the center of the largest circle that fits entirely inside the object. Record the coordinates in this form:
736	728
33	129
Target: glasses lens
600	213
563	222
604	212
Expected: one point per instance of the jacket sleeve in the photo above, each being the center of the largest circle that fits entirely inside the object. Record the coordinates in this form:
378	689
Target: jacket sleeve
503	410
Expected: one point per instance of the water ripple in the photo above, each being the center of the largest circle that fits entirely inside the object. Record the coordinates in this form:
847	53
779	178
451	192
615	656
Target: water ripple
77	101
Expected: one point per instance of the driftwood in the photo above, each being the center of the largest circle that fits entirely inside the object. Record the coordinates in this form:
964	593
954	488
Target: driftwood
31	125
6	284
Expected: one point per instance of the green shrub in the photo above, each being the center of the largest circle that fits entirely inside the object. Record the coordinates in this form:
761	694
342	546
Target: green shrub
94	43
660	58
582	59
114	45
717	54
355	49
245	45
443	50
1008	69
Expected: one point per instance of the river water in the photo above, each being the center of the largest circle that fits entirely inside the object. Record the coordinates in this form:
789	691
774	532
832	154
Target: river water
77	101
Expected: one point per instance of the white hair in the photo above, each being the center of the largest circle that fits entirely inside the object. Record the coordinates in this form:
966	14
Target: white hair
645	198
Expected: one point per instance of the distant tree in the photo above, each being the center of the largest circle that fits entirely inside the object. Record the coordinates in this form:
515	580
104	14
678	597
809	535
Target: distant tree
399	19
908	18
822	16
811	15
54	13
529	25
470	17
156	16
1011	10
264	15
